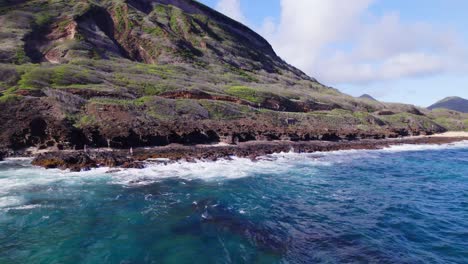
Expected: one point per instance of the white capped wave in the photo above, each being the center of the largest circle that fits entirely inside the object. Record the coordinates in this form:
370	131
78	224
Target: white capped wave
17	159
27	207
233	168
424	147
9	201
21	175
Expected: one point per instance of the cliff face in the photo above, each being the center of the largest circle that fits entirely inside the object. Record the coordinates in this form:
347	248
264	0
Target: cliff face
153	72
148	31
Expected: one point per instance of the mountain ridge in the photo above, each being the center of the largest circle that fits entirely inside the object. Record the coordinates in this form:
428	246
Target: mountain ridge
154	72
455	103
367	96
138	30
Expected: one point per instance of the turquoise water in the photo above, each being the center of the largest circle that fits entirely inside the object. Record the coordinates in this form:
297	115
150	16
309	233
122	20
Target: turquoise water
407	204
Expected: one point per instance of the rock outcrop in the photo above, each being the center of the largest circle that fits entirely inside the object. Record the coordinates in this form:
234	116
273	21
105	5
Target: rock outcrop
139	158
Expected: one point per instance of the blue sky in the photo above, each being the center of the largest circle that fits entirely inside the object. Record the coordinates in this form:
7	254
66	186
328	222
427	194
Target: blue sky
399	51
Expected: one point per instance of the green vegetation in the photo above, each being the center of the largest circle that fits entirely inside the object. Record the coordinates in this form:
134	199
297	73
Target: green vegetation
43	18
65	75
155	89
246	93
35	77
178	21
185	54
81	8
121	17
409	120
63	24
449	123
163	71
145	88
143	100
20	56
96	87
112	101
9	91
248	77
7	98
86	121
160	9
402	119
224	111
155	31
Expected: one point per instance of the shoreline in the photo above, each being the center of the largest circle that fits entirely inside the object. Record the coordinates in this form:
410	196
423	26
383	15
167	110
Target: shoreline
452	134
94	158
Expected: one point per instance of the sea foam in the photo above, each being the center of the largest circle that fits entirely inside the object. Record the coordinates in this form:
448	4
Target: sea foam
9	201
17	175
223	169
279	163
424	147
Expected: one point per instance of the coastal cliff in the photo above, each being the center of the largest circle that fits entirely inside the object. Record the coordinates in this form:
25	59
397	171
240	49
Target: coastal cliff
137	73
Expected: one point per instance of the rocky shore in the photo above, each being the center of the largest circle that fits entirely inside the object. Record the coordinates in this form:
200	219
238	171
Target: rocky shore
138	158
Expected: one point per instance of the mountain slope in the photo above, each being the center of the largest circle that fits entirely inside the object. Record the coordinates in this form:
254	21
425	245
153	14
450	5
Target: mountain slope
366	96
154	72
163	31
452	103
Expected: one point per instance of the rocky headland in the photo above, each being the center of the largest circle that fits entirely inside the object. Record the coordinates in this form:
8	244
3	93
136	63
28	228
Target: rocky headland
80	74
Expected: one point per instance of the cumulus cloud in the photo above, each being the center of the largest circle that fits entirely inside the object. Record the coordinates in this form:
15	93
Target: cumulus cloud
232	9
308	26
344	42
389	49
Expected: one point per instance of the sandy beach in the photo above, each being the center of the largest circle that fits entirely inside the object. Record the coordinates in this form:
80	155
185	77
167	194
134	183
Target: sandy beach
452	134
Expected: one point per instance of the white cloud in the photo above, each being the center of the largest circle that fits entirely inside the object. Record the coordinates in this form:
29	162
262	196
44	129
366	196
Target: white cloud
232	9
307	26
340	41
344	68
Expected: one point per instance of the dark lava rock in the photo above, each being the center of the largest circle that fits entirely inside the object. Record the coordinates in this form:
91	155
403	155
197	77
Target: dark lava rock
385	113
84	160
133	165
75	161
80	160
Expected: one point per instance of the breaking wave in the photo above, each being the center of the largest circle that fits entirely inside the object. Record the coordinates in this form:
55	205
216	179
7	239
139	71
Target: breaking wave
17	175
347	206
413	147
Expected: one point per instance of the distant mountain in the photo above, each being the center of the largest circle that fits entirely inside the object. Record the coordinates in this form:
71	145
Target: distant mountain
366	96
453	103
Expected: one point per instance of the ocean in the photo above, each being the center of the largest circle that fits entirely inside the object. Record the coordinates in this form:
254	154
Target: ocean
404	204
